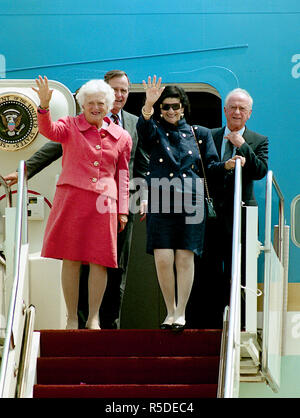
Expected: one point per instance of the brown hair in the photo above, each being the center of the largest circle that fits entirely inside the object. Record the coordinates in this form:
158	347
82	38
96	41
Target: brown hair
115	73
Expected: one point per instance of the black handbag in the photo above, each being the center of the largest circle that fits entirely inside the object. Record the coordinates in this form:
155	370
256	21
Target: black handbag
211	212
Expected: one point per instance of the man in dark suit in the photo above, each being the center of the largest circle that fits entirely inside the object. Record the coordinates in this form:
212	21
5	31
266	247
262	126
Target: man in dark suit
111	305
232	141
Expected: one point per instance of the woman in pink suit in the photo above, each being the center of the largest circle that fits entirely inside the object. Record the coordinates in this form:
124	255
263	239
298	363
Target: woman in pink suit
91	195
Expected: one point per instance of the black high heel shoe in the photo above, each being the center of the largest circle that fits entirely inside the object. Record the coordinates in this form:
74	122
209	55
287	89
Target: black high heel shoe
165	326
178	327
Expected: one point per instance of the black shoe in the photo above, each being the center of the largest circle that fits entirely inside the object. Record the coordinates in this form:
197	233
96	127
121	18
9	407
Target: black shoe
165	326
178	327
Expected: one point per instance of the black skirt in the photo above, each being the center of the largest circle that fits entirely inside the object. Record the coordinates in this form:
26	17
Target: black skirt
173	231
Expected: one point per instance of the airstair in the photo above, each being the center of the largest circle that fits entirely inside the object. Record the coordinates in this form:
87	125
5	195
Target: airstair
254	354
19	342
249	355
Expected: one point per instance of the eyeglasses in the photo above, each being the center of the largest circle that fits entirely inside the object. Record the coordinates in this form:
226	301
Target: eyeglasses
242	109
167	106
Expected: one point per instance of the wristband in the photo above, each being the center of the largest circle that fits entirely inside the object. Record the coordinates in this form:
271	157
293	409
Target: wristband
42	110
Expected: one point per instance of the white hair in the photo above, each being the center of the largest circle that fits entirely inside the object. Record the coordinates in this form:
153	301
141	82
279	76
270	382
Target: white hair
96	86
239	91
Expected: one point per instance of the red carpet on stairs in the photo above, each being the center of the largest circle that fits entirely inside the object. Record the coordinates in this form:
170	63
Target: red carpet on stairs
128	364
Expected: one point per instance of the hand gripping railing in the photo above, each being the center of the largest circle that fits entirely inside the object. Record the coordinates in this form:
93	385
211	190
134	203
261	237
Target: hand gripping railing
232	352
21	237
7	192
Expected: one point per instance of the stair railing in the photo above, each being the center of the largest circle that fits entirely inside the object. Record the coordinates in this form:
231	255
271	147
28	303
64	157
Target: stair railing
232	352
21	237
222	364
273	288
8	195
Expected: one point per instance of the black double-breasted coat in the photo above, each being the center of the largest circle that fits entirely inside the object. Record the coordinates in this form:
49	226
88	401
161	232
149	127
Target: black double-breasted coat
175	160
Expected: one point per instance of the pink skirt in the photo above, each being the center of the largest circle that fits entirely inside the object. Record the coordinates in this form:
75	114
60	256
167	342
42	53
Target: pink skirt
78	230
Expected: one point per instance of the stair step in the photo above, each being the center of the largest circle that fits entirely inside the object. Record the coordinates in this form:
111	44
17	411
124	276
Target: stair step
248	367
253	378
141	370
83	343
126	391
128	364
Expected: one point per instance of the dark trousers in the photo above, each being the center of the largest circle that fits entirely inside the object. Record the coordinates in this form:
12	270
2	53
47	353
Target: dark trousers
211	287
212	281
110	310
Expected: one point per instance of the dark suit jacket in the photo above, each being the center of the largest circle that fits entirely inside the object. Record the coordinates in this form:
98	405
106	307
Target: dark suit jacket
255	150
51	151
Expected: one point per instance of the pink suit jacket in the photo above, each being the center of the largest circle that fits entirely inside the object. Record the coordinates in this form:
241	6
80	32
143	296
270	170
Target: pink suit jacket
92	160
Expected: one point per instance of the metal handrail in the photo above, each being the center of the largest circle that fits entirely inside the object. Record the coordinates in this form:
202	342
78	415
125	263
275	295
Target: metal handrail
25	353
271	181
232	369
281	218
7	192
224	341
21	237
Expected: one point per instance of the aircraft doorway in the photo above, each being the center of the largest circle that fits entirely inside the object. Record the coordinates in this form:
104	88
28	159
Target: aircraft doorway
206	103
143	306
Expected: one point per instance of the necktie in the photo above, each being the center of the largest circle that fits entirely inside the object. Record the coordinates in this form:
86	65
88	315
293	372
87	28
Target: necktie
115	118
228	151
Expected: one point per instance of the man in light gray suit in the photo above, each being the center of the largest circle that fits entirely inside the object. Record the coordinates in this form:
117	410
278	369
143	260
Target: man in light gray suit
51	151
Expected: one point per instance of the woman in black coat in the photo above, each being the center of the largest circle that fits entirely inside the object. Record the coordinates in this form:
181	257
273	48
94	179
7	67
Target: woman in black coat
176	212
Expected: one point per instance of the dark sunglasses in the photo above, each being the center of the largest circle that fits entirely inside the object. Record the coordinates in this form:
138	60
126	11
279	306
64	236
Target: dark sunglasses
167	106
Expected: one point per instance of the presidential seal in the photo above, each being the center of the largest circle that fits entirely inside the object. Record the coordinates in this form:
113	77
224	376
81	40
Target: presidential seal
18	121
